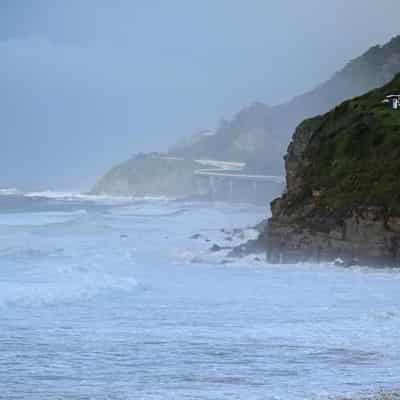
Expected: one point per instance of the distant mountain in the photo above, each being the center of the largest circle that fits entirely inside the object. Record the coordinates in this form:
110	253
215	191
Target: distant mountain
259	134
190	141
149	175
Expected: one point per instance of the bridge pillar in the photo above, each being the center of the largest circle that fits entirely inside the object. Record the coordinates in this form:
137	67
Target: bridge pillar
196	183
255	188
212	187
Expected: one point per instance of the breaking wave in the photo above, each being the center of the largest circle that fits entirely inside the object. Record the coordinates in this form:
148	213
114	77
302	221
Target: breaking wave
62	284
40	218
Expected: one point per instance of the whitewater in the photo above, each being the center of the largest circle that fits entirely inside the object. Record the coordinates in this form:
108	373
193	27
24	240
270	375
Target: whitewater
120	298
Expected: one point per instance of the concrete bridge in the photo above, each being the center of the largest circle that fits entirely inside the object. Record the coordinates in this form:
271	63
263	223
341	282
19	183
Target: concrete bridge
225	180
229	178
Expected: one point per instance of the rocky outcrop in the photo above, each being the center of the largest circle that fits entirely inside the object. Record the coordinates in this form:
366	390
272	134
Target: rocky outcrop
343	189
364	237
381	395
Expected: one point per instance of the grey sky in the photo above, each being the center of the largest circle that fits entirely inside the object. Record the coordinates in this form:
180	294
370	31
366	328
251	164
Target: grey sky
87	83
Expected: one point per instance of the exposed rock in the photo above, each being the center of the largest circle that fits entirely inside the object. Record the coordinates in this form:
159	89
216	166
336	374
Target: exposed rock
196	236
383	395
260	227
343	188
237	233
362	238
241	236
216	248
254	246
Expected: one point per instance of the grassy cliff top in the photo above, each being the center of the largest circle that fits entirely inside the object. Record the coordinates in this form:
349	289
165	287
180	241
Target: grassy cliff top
353	156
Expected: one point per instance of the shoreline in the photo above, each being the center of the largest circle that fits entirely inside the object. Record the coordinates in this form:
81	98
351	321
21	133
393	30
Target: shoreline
381	395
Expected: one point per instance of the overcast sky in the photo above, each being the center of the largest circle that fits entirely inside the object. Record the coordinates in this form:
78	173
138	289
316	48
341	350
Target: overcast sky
86	83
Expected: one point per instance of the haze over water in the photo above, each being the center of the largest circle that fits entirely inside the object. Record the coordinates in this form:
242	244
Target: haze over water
86	84
105	298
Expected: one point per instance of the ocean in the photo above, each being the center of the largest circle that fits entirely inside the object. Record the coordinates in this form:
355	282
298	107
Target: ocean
119	298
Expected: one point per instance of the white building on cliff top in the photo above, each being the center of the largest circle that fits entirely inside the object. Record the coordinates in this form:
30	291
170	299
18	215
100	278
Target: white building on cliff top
394	100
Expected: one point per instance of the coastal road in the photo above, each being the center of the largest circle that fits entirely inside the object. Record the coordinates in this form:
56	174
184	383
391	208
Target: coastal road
230	169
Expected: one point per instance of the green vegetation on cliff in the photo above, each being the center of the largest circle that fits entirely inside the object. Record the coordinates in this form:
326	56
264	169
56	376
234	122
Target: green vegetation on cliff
354	154
343	187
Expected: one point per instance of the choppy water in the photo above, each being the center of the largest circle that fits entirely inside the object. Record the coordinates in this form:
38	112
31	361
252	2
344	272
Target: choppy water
111	299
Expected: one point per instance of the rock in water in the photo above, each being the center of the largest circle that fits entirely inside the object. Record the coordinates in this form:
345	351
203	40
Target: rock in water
215	248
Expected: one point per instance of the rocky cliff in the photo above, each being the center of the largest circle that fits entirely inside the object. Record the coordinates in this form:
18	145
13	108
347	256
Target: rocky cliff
259	134
343	186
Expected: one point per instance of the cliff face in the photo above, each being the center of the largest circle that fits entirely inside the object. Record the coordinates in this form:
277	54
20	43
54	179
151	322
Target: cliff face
343	186
259	134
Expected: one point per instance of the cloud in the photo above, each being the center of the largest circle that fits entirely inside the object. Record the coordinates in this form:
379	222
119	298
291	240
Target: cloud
87	83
